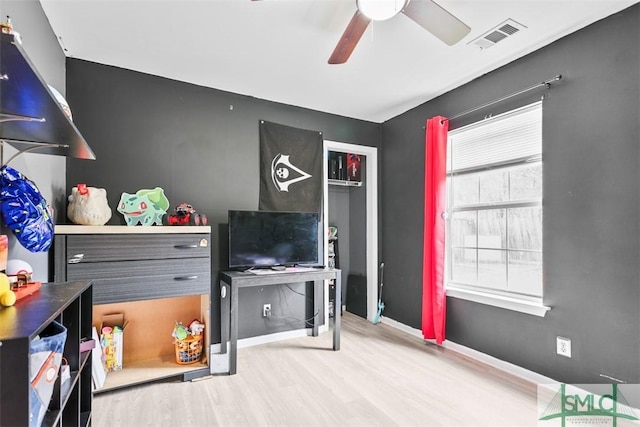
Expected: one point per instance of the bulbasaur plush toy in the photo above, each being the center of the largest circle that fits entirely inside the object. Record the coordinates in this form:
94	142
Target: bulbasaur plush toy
88	205
146	207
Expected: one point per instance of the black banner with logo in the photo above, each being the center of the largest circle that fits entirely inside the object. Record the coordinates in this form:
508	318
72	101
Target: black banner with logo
290	168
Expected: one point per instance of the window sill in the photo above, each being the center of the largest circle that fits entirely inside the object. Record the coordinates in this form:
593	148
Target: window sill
529	307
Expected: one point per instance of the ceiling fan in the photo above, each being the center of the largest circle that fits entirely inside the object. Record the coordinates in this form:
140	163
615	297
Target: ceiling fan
425	13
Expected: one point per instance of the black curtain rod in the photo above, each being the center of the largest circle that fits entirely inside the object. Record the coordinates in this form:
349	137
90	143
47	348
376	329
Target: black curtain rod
504	98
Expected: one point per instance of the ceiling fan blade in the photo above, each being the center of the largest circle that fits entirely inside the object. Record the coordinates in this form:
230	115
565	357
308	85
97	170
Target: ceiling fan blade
436	20
350	38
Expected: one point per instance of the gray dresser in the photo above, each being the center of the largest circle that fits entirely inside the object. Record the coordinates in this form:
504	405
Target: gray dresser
153	276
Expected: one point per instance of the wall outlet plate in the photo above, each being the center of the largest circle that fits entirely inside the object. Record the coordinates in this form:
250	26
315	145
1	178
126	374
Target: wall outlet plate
266	310
563	346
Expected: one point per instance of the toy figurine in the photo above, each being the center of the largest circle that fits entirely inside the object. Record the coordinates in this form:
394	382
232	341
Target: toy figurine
185	214
146	207
88	206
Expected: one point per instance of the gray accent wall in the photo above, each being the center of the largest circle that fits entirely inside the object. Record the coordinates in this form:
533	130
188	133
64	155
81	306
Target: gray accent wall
352	227
201	146
358	224
591	203
339	216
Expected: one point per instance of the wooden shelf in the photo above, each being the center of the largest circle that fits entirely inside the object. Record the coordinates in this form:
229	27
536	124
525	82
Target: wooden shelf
143	371
52	417
68	303
343	183
30	116
125	229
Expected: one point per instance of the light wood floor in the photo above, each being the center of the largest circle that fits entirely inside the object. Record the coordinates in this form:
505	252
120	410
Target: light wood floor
380	377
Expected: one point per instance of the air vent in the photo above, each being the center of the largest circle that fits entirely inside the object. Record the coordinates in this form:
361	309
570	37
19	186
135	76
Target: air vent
507	29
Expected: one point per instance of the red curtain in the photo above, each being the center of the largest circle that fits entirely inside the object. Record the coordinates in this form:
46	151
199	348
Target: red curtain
434	301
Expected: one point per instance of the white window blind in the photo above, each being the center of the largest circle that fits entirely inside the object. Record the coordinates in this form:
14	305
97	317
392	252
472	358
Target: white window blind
509	137
494	204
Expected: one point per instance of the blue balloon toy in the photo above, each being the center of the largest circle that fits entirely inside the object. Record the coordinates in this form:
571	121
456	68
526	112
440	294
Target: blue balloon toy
25	211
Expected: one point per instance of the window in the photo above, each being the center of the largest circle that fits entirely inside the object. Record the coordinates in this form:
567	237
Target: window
494	204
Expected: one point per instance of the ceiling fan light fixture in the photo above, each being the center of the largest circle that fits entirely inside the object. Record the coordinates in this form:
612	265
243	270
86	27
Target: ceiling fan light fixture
380	10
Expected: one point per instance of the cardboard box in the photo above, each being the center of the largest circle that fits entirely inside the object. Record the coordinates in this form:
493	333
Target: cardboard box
111	340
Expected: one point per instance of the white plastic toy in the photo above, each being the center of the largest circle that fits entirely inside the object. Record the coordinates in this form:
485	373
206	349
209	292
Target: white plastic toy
88	206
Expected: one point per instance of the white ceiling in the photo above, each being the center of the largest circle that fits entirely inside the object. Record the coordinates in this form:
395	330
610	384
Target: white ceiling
277	50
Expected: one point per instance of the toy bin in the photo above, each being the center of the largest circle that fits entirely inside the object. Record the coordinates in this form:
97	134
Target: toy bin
189	350
45	356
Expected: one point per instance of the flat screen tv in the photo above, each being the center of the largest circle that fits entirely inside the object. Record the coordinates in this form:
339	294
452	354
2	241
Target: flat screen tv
263	239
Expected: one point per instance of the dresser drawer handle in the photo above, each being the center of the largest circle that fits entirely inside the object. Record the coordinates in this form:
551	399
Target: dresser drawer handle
75	259
185	246
185	278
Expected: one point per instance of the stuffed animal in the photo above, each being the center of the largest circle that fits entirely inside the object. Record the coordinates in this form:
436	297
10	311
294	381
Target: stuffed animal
88	206
196	327
146	207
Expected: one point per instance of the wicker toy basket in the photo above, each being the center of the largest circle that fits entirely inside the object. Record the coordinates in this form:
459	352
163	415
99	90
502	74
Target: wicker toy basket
189	350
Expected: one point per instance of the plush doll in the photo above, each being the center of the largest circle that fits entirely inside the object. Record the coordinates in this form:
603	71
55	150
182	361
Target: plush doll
145	207
88	206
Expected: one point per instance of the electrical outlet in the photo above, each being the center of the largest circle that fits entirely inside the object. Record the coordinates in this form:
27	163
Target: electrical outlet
563	346
266	310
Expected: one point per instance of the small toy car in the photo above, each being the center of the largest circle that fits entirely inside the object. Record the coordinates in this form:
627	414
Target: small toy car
185	214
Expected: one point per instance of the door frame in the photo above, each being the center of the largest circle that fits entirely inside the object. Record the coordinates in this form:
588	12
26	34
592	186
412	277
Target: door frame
371	176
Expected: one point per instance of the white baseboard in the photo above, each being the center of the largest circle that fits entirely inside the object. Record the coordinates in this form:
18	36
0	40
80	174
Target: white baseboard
220	362
510	368
264	339
278	336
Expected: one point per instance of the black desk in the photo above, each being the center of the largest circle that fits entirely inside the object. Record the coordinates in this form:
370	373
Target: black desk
232	281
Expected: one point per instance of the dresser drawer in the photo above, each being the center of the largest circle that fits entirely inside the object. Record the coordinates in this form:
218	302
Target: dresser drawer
142	280
119	247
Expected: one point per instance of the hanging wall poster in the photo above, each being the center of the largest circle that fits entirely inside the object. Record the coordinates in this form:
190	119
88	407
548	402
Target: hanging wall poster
290	168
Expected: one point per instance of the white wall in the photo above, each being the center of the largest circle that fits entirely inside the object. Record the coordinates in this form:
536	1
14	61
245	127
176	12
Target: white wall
47	172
